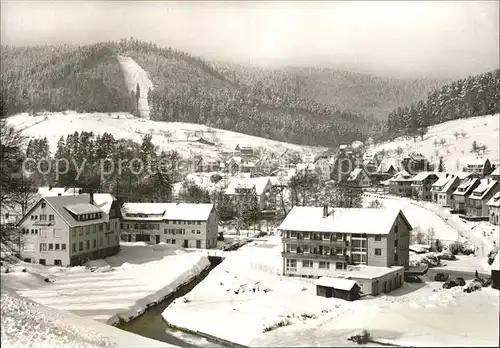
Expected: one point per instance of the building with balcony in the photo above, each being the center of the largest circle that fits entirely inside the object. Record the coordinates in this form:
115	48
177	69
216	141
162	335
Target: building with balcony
190	225
421	185
68	230
476	203
246	188
317	241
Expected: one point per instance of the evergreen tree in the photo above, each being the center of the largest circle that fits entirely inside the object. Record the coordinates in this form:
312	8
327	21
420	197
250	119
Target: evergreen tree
441	167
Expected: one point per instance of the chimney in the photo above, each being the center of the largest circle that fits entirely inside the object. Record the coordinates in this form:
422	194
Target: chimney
91	198
325	211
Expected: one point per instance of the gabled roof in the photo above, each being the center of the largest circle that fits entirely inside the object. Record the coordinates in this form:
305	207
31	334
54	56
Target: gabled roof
401	176
259	184
494	201
342	220
168	211
496	172
356	174
483	189
445	182
244	147
104	201
477	161
82	208
467	185
336	283
423	175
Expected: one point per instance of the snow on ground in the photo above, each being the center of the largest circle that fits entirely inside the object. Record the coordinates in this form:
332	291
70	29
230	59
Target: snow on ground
416	314
137	276
134	74
125	126
26	324
483	129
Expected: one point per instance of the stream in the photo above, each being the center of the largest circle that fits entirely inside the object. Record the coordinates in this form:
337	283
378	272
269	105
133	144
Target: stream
151	324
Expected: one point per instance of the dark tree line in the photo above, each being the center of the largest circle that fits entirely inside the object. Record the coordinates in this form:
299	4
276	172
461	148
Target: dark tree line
474	96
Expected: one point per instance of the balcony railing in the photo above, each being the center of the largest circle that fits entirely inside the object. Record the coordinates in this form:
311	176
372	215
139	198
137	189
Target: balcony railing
335	257
291	269
359	250
312	241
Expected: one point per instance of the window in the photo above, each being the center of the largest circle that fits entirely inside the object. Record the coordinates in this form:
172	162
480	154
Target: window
378	238
378	252
51	217
165	231
101	227
307	264
340	237
87	229
291	263
56	246
42	262
74	247
173	241
293	234
305	249
94	243
198	244
80	231
43	247
339	265
57	262
306	235
32	217
63	247
324	265
193	231
198	232
199	222
80	246
44	204
395	257
396	228
43	232
43	217
121	225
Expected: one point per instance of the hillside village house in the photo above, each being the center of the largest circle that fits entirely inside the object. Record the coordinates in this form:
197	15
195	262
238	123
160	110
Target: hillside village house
400	184
359	177
370	162
323	242
442	190
308	158
459	196
190	225
415	163
266	165
475	204
67	230
385	170
494	209
323	168
422	184
246	187
479	166
244	150
206	165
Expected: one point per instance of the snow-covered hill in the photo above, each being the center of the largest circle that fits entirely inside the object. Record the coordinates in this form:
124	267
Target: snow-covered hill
166	135
456	151
134	74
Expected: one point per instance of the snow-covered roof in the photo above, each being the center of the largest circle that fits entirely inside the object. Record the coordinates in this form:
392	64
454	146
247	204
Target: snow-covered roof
259	184
483	189
444	183
103	201
79	204
496	172
494	201
46	191
341	220
355	174
477	161
167	211
244	147
465	186
356	143
401	176
367	156
422	176
365	272
82	208
336	283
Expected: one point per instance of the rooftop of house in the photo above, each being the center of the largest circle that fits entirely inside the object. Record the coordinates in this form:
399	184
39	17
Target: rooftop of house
82	208
104	201
244	147
496	172
167	211
445	182
415	157
355	174
483	189
494	201
478	161
79	204
342	220
466	186
336	283
365	272
46	191
402	175
423	176
258	183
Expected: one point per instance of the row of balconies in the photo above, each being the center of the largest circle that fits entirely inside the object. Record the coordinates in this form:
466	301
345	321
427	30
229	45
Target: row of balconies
333	257
313	241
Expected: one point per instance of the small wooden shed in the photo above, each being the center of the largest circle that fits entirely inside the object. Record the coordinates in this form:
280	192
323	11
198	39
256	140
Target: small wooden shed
342	288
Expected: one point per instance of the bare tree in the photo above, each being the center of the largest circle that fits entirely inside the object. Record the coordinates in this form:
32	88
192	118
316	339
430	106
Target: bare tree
456	134
442	141
463	133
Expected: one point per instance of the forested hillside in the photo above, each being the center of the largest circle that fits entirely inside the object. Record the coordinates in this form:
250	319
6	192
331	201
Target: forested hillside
474	96
57	78
366	94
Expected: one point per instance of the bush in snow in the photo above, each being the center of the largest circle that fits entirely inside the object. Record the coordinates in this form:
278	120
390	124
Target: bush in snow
362	338
282	323
455	247
492	254
417	236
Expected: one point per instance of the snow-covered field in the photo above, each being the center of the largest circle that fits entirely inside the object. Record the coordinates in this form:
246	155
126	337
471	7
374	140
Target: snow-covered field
134	74
27	324
125	126
225	305
121	287
456	151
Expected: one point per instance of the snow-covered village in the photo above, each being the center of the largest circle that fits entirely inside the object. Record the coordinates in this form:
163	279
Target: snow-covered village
160	190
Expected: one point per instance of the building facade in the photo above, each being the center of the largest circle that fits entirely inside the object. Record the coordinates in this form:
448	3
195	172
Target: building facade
494	209
400	184
68	230
317	241
189	225
422	185
476	203
442	190
479	166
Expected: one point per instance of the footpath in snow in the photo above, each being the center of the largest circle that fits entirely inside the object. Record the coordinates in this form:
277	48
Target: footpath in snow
120	288
134	74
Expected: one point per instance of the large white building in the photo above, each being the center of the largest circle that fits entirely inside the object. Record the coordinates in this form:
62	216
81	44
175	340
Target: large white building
190	225
67	230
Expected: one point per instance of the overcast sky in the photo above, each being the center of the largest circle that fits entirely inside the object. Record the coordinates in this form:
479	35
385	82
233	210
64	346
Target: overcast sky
392	38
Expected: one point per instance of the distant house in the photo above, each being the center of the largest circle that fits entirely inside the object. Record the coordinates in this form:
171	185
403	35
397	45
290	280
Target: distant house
357	145
306	168
344	289
415	163
422	184
475	204
323	167
359	177
266	165
206	165
46	191
244	150
495	175
190	225
67	230
384	171
247	167
459	196
259	186
400	184
479	166
442	190
308	158
234	165
494	209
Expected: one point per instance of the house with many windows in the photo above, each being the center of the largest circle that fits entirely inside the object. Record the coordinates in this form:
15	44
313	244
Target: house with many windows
317	241
359	178
246	188
190	225
442	190
400	184
422	184
476	203
68	230
459	196
494	209
479	166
